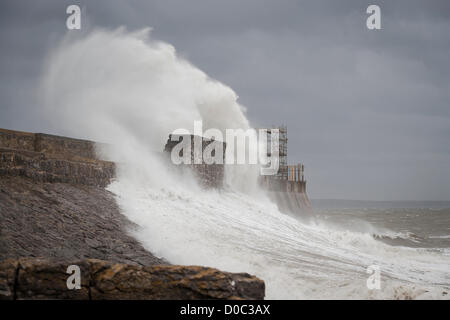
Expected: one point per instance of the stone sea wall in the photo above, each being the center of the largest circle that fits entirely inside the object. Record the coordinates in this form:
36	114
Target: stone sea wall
55	211
47	158
208	175
67	148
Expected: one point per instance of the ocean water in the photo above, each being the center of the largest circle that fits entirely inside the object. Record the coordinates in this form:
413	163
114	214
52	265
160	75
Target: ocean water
415	224
324	256
131	92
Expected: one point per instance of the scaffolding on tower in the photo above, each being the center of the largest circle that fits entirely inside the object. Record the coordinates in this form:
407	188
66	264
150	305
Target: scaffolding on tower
283	141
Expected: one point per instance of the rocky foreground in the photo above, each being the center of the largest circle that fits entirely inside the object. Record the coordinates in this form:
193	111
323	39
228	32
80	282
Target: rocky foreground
55	212
99	280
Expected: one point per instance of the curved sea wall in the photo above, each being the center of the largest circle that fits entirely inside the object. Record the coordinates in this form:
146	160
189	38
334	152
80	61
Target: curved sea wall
289	195
53	205
292	203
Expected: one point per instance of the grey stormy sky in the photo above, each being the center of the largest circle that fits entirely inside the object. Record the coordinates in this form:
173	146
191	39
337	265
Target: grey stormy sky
368	112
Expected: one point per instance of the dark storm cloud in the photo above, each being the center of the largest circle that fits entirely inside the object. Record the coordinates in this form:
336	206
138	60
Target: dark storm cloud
368	112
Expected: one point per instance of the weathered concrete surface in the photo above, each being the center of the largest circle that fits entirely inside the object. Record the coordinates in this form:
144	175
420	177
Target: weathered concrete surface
65	147
293	203
53	204
49	158
43	168
40	279
207	175
64	222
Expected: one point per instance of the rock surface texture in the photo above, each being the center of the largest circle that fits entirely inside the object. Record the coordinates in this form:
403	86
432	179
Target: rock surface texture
207	175
29	278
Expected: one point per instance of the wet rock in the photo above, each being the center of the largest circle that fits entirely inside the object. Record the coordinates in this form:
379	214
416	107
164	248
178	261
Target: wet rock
41	167
8	269
173	282
30	278
39	279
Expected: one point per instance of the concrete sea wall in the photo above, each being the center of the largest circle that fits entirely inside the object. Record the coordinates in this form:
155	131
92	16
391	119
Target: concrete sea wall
55	212
208	175
67	148
48	158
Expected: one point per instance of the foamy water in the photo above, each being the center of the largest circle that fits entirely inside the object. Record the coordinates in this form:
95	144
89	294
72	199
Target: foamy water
131	91
235	232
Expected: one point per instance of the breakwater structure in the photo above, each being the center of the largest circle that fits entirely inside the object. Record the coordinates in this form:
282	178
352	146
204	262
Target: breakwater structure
56	212
50	158
208	175
287	188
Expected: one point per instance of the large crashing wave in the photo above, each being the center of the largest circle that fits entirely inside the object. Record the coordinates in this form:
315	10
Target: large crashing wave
127	90
130	91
